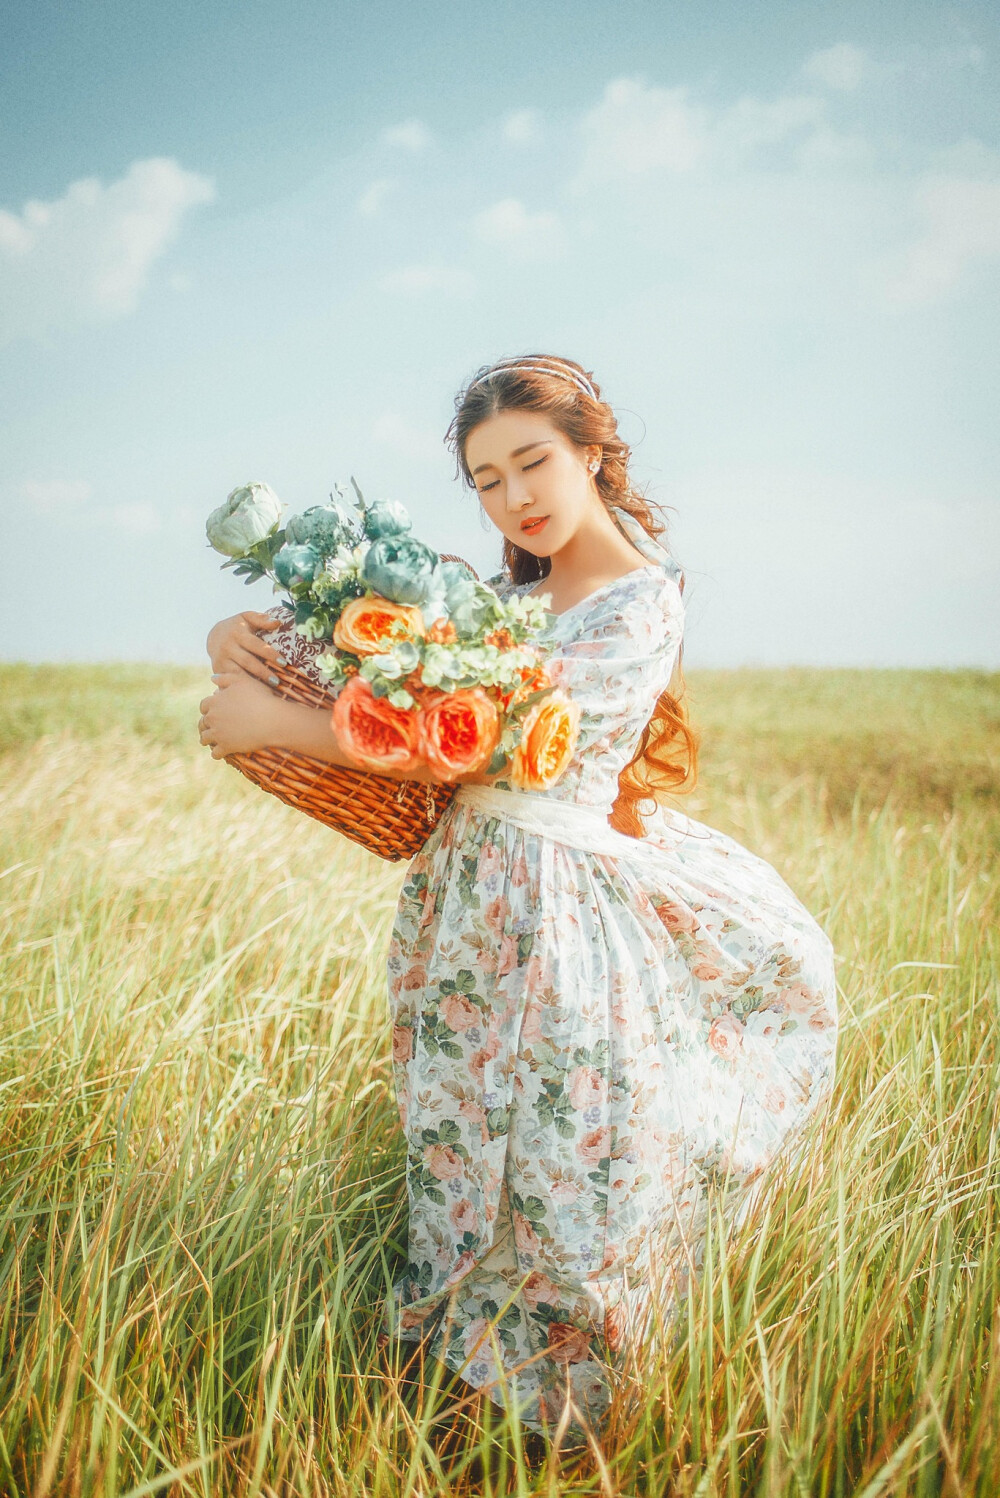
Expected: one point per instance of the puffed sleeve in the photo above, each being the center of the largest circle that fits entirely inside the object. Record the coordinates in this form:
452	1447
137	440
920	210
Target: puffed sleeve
619	655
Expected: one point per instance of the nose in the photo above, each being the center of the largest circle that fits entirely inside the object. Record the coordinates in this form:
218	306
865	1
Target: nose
518	496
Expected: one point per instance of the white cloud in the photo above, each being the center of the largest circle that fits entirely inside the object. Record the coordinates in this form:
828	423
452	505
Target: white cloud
406	437
86	257
373	196
636	129
961	218
141	518
70	501
412	135
50	495
521	126
416	280
524	235
842	67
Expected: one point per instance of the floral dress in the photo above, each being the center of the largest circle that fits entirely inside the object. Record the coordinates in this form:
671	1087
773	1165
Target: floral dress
582	1044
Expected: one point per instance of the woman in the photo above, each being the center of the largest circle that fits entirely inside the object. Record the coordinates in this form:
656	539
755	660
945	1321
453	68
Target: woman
593	1020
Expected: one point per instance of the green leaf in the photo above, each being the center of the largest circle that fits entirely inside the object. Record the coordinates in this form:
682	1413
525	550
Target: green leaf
497	762
522	707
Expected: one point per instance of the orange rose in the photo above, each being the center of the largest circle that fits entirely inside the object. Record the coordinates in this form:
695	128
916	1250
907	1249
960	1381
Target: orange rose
568	1343
548	738
366	625
458	731
369	728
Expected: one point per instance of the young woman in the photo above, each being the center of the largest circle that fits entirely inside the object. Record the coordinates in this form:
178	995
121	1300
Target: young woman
596	1013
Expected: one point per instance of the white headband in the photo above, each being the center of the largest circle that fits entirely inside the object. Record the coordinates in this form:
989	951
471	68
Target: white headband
579	380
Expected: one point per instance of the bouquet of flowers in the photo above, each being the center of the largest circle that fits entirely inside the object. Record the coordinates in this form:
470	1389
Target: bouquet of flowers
425	664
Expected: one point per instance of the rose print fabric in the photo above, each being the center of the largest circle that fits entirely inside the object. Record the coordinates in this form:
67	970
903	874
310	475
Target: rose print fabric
583	1043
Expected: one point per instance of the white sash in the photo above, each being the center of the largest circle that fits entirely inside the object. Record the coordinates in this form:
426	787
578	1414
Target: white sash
582	827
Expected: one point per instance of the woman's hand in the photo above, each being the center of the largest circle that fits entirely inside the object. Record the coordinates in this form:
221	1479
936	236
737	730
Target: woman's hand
240	716
234	645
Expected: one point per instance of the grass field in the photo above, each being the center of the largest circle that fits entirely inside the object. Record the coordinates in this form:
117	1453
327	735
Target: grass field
203	1198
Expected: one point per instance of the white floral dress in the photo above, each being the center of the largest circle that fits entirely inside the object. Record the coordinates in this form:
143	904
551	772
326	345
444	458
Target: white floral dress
583	1043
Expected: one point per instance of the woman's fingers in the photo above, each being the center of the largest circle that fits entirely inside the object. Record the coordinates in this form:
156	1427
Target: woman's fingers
260	621
245	660
260	648
236	658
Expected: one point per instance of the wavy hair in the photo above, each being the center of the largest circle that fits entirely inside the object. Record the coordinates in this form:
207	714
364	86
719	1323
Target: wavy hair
666	758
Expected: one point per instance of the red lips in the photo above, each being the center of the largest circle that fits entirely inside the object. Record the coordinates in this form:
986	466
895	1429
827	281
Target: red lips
534	525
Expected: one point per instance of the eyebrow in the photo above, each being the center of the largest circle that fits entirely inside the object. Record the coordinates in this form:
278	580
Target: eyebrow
542	442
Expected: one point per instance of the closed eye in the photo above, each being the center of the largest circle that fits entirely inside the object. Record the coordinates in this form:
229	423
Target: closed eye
535	464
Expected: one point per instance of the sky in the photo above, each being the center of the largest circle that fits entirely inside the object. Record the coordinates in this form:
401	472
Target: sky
271	241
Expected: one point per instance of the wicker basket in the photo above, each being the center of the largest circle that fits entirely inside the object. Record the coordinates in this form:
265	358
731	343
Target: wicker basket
393	818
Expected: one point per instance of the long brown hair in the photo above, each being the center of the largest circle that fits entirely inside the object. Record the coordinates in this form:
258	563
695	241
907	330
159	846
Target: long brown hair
666	758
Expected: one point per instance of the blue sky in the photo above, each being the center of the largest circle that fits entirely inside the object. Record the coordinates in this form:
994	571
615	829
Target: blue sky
271	241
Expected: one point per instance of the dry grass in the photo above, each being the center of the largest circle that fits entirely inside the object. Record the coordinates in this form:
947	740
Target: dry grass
202	1198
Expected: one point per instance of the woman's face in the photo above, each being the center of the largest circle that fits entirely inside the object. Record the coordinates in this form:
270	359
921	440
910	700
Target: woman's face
533	482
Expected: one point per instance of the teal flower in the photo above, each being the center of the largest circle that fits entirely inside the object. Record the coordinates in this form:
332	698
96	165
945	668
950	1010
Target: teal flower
402	569
324	527
250	514
386	517
472	606
296	564
455	572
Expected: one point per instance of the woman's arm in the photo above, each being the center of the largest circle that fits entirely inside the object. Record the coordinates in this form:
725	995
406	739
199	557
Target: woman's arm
242	715
235	645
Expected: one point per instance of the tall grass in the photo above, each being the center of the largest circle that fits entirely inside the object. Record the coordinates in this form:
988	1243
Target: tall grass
203	1196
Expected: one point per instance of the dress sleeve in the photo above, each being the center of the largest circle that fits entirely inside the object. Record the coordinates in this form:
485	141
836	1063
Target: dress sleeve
619	656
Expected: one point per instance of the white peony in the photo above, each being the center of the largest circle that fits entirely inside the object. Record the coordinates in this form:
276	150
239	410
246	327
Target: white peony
249	514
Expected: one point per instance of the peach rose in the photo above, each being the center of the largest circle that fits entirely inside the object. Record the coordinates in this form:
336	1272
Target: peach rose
409	1319
676	917
474	1334
478	1059
495	914
538	1288
706	971
568	1343
370	625
376	734
459	1013
527	1240
463	1216
463	1264
798	999
442	1162
458	731
402	1042
490	862
507	960
548	738
587	1087
531	1025
726	1036
614	1326
564	1192
594	1147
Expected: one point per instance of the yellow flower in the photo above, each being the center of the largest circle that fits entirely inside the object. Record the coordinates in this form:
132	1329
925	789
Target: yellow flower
548	738
366	625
